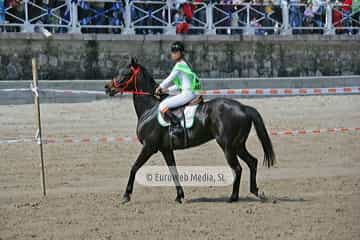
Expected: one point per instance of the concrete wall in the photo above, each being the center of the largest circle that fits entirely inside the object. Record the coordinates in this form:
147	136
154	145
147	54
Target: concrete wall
100	56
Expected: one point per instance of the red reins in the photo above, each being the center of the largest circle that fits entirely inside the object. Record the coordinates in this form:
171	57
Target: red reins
122	86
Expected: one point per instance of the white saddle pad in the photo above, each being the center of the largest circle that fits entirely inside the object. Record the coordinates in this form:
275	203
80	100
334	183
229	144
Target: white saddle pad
189	117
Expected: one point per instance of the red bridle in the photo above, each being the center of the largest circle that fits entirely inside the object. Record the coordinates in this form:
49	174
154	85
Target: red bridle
120	87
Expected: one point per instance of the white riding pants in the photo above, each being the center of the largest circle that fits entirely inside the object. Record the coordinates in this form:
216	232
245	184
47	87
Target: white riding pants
176	101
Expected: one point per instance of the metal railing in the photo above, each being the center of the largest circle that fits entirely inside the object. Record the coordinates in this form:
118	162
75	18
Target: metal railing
347	19
305	18
247	18
152	17
159	17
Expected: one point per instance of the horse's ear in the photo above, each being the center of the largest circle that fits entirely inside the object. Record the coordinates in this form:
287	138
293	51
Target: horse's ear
134	62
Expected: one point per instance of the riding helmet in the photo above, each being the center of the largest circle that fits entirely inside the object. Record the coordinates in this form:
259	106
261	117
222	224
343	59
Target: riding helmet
177	47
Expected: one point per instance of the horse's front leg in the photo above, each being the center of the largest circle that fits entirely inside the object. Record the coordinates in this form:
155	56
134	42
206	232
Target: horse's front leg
170	161
144	155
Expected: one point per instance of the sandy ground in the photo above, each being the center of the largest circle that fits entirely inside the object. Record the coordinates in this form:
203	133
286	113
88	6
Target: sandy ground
313	191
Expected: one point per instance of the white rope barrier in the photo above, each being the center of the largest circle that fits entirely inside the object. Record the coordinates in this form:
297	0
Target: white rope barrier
125	139
220	92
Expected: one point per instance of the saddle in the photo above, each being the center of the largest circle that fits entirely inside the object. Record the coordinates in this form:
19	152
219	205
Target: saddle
179	111
185	113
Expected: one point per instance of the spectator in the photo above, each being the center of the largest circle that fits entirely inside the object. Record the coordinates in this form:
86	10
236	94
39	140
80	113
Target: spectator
257	26
268	21
346	9
234	19
319	11
2	14
147	8
42	12
316	4
149	21
98	17
336	18
179	3
240	16
16	8
356	14
115	15
188	10
309	14
295	15
50	18
182	26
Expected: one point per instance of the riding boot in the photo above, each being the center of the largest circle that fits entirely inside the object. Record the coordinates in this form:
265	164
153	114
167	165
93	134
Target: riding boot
175	128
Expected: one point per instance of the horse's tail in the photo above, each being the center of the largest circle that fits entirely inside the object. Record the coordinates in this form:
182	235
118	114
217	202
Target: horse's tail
269	155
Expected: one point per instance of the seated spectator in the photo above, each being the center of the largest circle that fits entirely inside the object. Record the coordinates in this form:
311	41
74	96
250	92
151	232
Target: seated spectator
312	17
309	15
182	26
257	25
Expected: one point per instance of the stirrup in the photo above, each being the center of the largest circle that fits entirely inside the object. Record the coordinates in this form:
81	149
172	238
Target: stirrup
176	130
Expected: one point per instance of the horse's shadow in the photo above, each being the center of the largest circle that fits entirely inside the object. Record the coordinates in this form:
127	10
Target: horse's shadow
270	199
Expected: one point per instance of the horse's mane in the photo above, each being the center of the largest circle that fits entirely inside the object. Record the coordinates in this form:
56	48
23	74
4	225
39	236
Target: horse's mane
150	79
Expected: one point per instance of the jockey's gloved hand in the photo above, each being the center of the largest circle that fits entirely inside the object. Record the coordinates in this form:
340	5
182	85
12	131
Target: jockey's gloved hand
157	90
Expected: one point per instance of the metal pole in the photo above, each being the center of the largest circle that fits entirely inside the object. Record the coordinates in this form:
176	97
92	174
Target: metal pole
170	29
128	25
38	123
329	28
285	18
73	7
209	18
27	26
248	28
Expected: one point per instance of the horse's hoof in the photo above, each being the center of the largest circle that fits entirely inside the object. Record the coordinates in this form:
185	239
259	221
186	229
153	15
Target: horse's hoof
262	197
178	199
233	199
125	199
255	192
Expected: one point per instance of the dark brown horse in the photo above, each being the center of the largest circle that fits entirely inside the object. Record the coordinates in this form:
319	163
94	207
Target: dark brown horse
225	120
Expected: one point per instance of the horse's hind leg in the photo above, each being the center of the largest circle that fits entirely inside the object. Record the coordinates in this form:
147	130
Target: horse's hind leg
235	165
170	161
252	164
230	155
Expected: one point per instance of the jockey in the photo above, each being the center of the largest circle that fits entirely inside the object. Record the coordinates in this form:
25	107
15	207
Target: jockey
184	81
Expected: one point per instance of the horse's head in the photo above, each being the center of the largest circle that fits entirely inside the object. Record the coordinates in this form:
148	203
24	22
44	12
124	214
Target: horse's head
126	79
